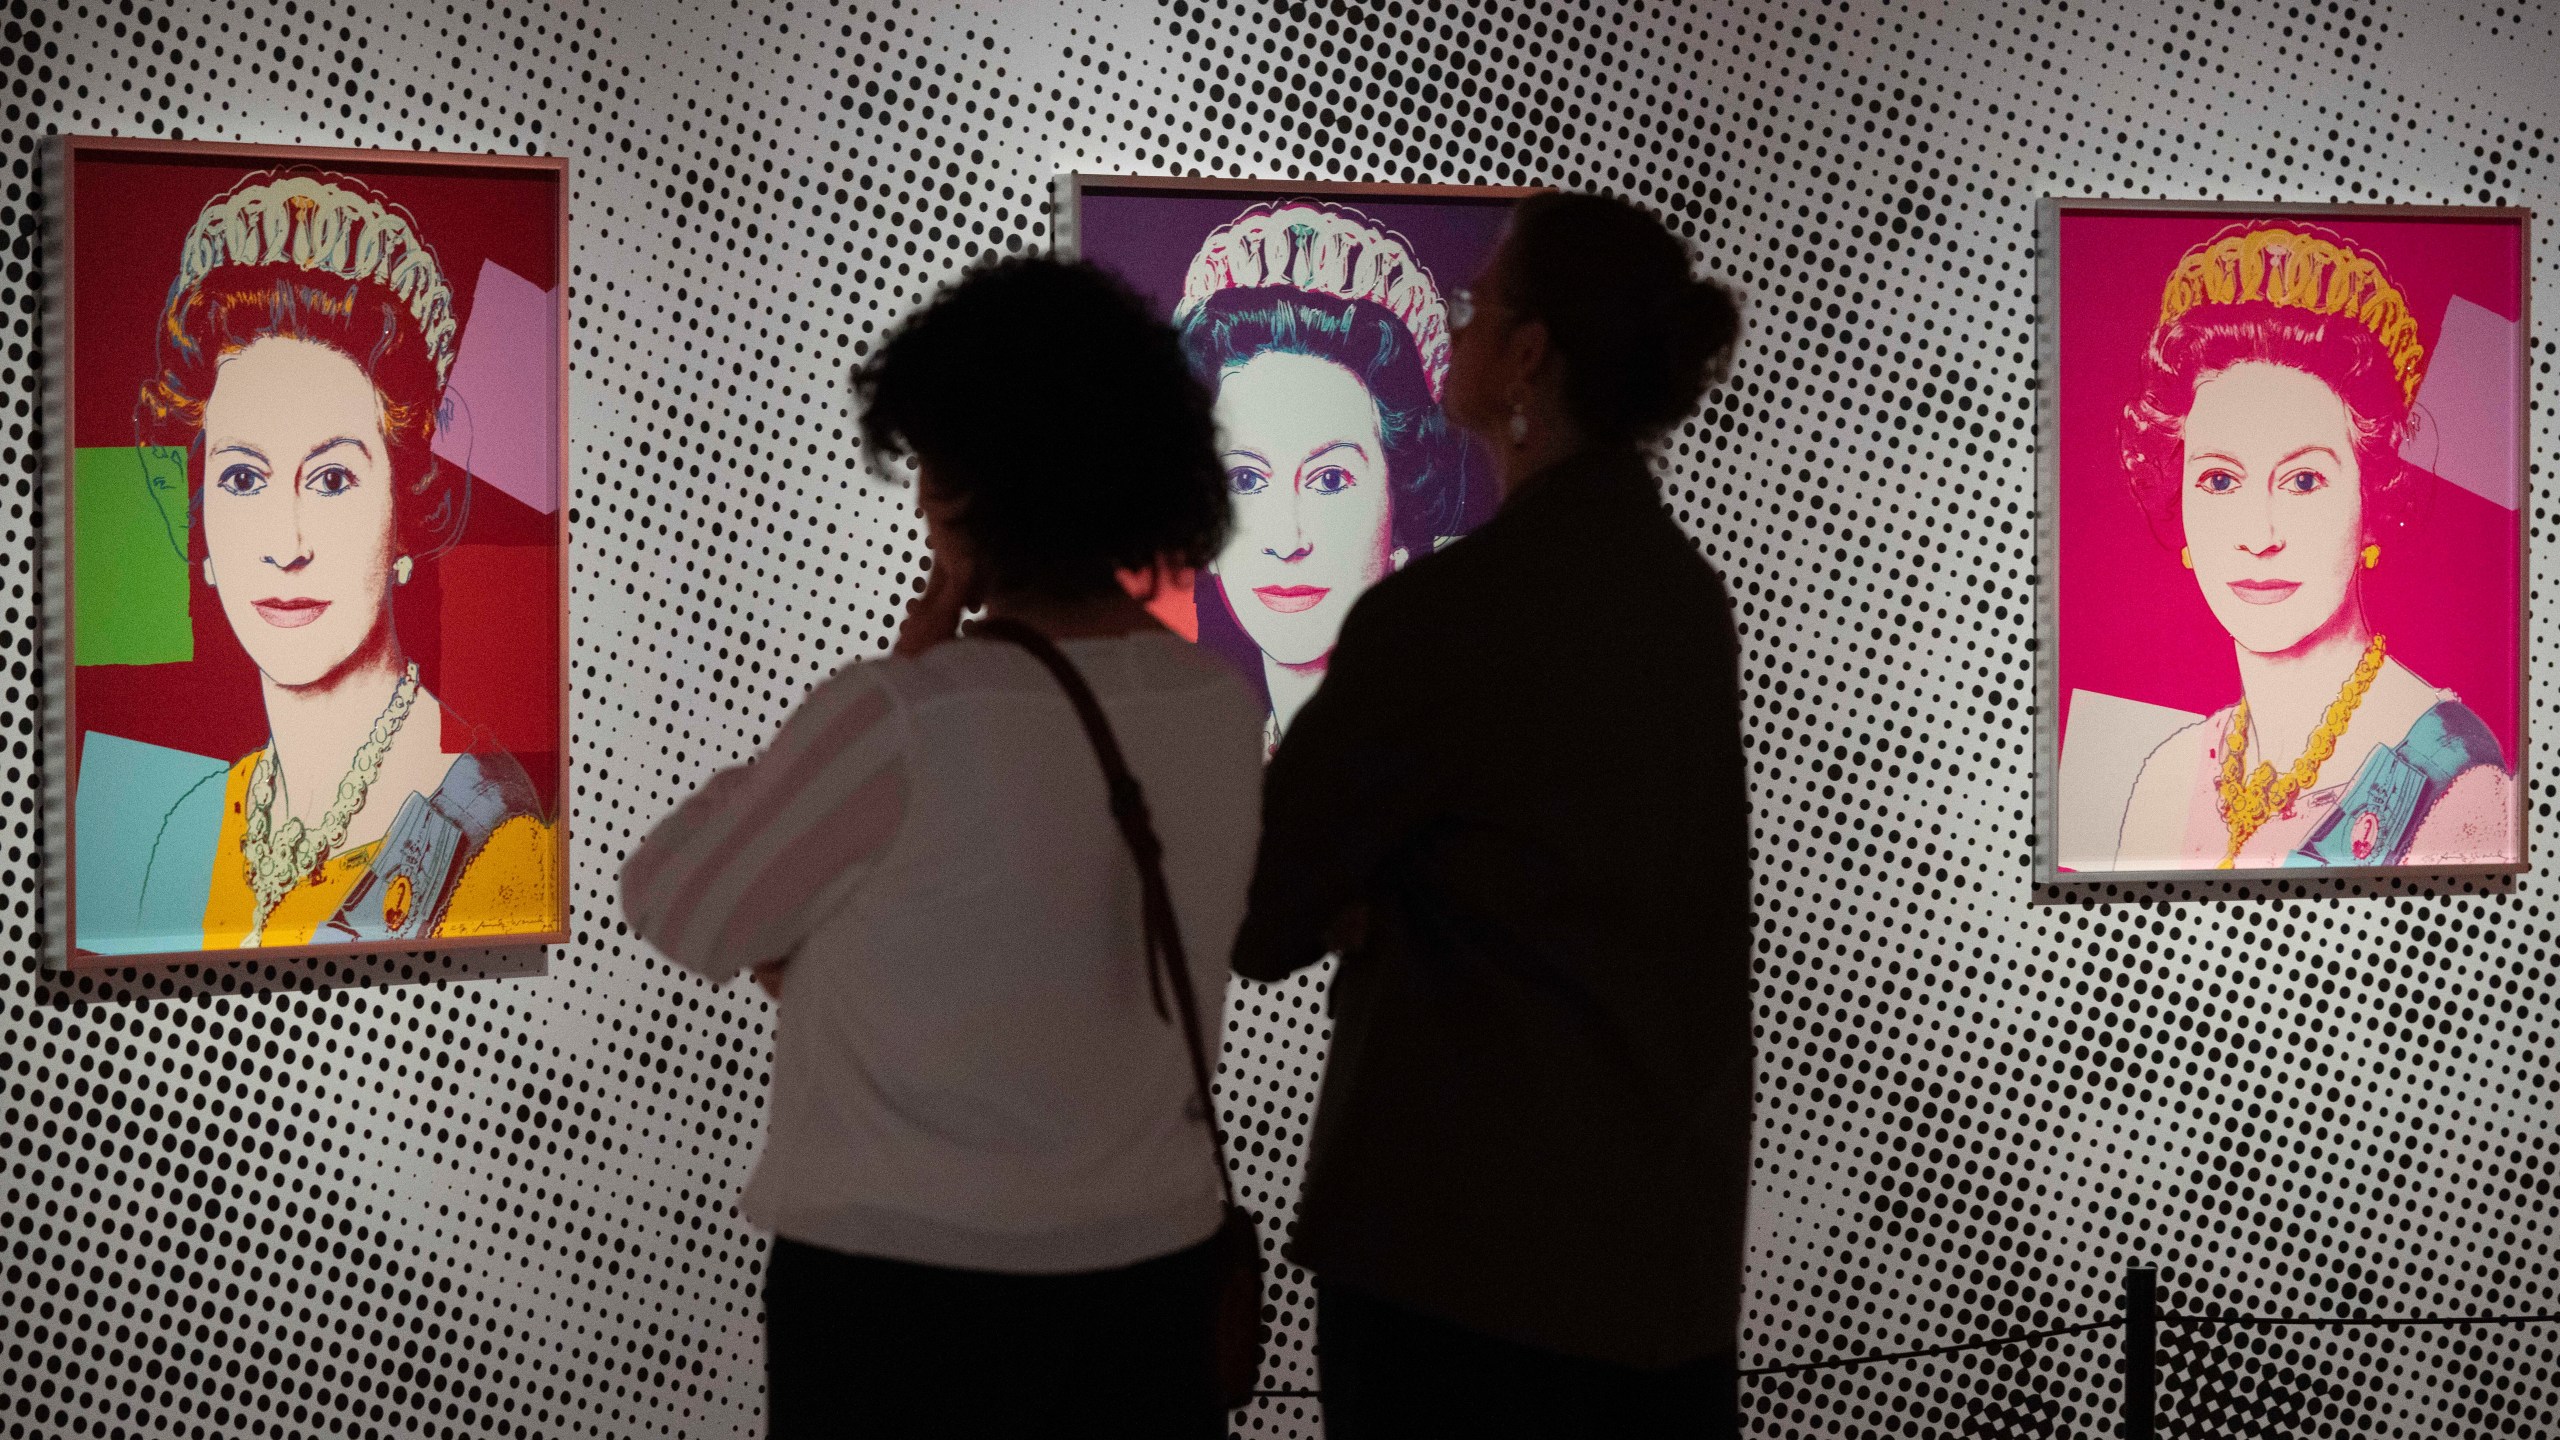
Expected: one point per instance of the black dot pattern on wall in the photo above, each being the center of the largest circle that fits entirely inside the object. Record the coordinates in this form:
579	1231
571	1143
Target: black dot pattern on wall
464	1195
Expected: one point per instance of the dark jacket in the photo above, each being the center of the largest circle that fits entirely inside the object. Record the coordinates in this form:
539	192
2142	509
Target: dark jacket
1526	762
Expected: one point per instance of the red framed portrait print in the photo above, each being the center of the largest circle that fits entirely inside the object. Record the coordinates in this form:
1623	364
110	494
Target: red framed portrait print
308	567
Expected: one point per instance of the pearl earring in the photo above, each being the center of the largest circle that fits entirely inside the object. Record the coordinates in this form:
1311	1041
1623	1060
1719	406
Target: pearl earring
208	571
1519	425
400	570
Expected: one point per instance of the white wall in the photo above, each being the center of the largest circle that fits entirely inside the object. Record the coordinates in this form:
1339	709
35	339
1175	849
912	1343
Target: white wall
301	1200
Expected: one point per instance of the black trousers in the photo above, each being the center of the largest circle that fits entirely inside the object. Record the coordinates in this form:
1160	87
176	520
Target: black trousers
859	1346
1387	1371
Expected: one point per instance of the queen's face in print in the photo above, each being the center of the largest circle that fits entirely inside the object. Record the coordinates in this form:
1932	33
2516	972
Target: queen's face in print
1307	469
2273	506
298	507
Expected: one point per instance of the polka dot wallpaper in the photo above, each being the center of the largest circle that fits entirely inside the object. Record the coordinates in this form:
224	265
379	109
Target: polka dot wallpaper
484	1193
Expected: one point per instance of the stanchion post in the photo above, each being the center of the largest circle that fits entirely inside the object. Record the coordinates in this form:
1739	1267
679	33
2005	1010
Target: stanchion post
2141	1353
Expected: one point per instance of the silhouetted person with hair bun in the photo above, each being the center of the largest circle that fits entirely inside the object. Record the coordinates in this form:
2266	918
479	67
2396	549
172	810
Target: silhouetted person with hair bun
1517	807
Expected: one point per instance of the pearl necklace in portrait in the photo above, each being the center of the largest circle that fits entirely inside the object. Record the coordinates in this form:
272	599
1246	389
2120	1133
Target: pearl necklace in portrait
280	856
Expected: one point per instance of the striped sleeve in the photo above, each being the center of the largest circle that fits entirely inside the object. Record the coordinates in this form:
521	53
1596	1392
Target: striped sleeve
753	860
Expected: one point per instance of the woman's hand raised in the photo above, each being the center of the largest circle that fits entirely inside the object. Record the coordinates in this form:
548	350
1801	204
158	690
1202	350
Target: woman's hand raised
934	616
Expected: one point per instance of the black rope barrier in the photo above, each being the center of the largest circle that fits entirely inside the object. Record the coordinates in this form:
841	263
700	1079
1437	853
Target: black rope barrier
2141	1322
2359	1320
1993	1343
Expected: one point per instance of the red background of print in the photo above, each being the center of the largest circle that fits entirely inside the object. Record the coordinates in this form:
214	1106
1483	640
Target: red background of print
131	214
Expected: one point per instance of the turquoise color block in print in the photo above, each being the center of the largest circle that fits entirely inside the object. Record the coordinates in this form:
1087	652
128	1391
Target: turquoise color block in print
144	824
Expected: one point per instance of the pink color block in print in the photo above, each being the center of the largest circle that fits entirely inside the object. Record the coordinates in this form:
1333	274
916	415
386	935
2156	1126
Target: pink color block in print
504	398
2467	405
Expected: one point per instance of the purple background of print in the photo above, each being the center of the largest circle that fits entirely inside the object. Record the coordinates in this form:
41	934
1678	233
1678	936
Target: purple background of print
2131	622
1147	237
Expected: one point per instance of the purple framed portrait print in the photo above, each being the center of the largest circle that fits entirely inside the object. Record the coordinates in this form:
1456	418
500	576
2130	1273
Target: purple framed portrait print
1320	315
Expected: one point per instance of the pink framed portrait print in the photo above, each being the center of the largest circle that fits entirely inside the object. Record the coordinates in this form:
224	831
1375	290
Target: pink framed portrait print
2283	539
308	561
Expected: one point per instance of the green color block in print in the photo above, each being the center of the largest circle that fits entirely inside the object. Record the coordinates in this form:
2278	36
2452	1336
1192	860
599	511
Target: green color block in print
128	557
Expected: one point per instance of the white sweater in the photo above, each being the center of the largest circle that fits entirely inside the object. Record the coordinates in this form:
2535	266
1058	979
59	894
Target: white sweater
967	1069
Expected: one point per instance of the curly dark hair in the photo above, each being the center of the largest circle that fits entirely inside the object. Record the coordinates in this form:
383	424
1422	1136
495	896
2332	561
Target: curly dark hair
1425	483
1059	417
1639	336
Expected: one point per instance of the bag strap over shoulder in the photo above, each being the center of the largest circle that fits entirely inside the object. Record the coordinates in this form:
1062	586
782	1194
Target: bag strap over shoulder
1166	967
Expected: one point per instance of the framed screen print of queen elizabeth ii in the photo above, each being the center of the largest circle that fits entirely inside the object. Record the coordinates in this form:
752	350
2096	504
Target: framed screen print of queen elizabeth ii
1320	315
2283	520
307	688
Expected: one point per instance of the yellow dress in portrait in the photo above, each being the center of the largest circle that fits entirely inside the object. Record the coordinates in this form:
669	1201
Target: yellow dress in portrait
509	886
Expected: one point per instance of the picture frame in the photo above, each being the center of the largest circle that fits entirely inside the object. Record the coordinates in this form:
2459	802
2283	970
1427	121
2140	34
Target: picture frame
2394	338
214	791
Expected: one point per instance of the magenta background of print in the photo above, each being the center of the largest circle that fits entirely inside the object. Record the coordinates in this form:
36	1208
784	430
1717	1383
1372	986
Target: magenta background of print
2130	619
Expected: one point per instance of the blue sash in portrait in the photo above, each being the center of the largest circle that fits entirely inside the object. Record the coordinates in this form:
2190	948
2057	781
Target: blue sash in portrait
2397	786
430	842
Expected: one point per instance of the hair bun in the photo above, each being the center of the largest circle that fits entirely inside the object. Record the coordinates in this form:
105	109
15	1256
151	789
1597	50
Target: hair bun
1640	336
1715	323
